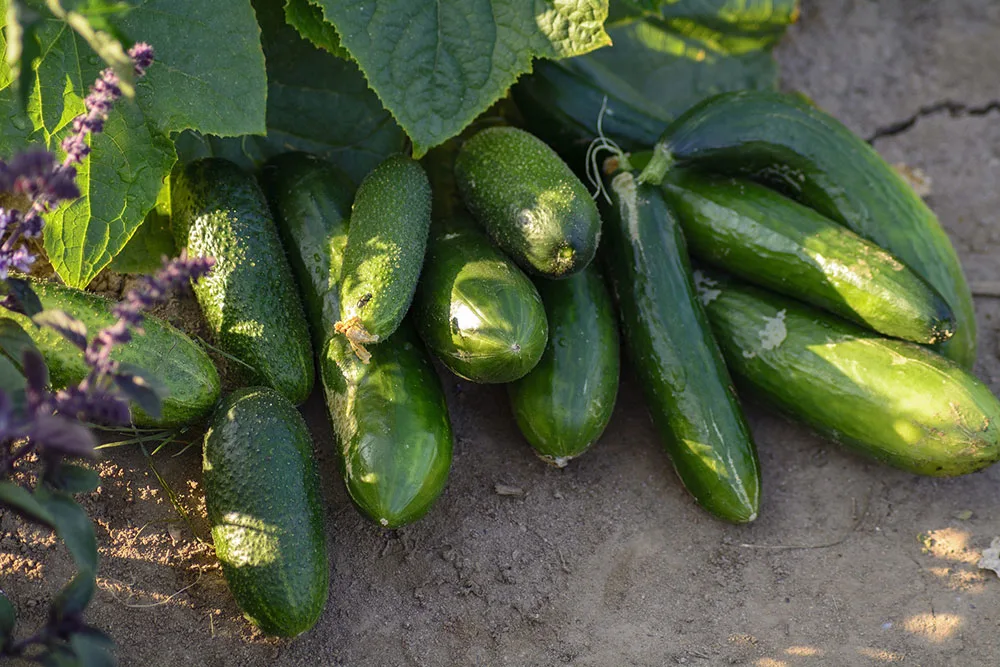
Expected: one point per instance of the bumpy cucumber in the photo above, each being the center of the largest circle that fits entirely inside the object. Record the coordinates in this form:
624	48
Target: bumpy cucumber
249	299
768	239
889	399
679	366
564	403
385	250
529	201
311	201
477	312
810	155
264	505
390	417
166	353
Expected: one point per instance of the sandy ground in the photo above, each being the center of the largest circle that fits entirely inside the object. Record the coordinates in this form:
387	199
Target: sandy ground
609	562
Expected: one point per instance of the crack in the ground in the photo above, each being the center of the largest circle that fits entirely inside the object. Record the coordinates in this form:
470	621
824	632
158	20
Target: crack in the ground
952	108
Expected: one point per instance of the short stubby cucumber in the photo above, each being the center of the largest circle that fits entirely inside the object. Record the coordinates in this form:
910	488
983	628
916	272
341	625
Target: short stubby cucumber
770	240
249	299
166	353
895	401
264	506
679	366
782	140
392	426
529	201
563	405
476	310
311	201
385	250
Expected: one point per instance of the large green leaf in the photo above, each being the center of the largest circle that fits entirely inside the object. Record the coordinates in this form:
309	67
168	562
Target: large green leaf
307	17
437	64
316	102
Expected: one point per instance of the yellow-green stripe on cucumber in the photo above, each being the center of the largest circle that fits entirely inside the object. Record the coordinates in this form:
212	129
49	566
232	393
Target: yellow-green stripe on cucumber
679	366
528	200
249	299
895	401
476	310
385	250
777	243
808	154
563	405
263	502
166	353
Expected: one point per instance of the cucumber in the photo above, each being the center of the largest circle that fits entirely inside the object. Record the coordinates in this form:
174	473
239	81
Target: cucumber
563	405
385	250
477	312
311	202
811	156
166	353
390	417
892	400
529	201
561	106
770	240
249	299
678	364
264	506
392	425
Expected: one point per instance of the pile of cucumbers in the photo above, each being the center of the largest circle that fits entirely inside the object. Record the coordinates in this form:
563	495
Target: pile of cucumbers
758	241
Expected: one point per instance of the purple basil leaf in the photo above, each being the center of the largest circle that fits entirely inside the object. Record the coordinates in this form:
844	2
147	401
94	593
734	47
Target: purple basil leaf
36	373
92	650
141	388
75	596
69	327
8	619
59	656
14	340
25	300
72	478
73	527
21	501
12	386
54	434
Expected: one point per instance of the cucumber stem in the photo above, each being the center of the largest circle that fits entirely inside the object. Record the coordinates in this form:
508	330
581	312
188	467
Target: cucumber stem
661	162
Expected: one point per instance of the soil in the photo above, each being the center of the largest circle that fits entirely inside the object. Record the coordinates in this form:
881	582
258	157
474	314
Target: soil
609	562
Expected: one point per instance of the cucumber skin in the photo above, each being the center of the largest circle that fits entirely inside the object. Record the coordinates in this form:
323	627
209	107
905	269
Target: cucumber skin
311	202
392	406
564	404
854	386
373	408
813	157
249	299
678	364
258	465
385	245
503	173
165	352
777	243
464	273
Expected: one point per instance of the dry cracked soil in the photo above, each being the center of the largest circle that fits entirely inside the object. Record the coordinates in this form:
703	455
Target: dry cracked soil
609	562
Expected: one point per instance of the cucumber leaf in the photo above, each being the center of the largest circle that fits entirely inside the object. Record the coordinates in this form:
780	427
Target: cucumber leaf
437	64
316	102
152	242
307	17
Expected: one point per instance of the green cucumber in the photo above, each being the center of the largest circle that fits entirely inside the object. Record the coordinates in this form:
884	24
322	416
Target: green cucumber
389	416
249	299
166	353
678	364
529	201
561	105
385	250
311	202
895	401
768	239
477	312
264	505
563	405
392	425
810	155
